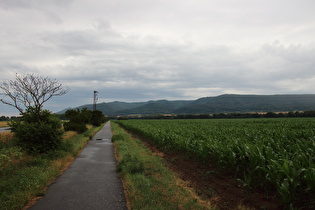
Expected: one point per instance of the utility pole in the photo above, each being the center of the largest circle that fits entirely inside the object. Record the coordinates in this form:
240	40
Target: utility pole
95	100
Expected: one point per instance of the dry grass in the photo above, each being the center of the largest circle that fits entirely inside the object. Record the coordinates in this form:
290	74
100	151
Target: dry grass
69	134
3	124
6	136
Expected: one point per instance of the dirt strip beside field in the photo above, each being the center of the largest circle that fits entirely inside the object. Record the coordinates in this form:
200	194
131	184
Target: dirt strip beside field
221	188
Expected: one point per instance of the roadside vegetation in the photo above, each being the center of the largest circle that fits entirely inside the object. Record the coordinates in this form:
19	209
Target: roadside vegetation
3	124
268	154
148	182
79	118
38	148
25	175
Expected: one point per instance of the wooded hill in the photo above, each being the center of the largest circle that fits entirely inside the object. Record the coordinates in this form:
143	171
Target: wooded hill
228	103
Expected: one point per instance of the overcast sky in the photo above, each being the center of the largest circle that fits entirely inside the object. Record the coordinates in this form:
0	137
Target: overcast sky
140	50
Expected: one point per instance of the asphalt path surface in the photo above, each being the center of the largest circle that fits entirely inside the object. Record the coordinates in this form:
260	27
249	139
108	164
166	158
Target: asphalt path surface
5	129
90	182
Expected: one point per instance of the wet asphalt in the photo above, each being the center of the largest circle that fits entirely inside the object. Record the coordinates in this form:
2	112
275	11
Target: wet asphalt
90	182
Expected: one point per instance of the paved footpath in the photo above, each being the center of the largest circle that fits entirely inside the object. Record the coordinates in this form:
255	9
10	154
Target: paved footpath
90	182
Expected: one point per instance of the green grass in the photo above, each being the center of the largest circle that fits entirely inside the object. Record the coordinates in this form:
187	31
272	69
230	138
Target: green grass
149	183
23	177
272	154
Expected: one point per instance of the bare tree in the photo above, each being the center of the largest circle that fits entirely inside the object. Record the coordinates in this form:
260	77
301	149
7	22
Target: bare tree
30	90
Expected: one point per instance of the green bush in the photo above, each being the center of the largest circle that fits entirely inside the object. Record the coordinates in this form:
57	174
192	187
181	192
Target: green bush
78	120
38	132
79	116
79	127
97	118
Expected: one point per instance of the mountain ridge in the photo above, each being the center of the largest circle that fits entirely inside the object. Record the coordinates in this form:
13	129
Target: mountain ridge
215	104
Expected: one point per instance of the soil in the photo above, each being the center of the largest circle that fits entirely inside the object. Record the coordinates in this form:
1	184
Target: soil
219	188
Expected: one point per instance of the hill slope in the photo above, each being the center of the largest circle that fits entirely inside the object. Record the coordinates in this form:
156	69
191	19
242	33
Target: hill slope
249	103
219	104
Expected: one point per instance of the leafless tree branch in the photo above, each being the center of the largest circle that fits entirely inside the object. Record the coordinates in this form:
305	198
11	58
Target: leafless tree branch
30	91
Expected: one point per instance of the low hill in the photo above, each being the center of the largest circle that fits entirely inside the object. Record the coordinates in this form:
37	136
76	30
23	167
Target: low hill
224	103
249	103
155	107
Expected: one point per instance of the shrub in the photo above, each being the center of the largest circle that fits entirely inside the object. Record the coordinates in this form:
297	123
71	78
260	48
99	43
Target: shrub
79	127
38	132
97	118
79	118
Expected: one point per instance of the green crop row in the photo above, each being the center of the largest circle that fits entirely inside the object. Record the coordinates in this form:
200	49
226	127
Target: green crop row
273	154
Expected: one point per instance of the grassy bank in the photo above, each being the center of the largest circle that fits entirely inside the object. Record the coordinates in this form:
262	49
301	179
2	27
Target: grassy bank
149	183
24	177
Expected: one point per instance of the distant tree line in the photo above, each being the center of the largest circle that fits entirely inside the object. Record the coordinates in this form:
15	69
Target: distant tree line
6	118
310	113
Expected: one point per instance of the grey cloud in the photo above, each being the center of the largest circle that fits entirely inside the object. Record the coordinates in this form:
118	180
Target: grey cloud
143	50
293	61
28	4
73	42
47	8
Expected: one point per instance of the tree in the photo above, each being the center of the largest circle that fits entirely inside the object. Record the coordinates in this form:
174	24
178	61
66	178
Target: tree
79	118
97	118
30	91
40	131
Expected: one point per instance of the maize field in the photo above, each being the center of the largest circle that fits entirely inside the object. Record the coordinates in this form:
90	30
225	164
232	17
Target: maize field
273	154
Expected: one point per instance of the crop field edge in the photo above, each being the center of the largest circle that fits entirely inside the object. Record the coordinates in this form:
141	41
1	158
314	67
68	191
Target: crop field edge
188	168
166	189
163	148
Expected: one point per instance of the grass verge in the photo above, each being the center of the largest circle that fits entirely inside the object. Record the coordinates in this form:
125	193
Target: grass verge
24	177
149	184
